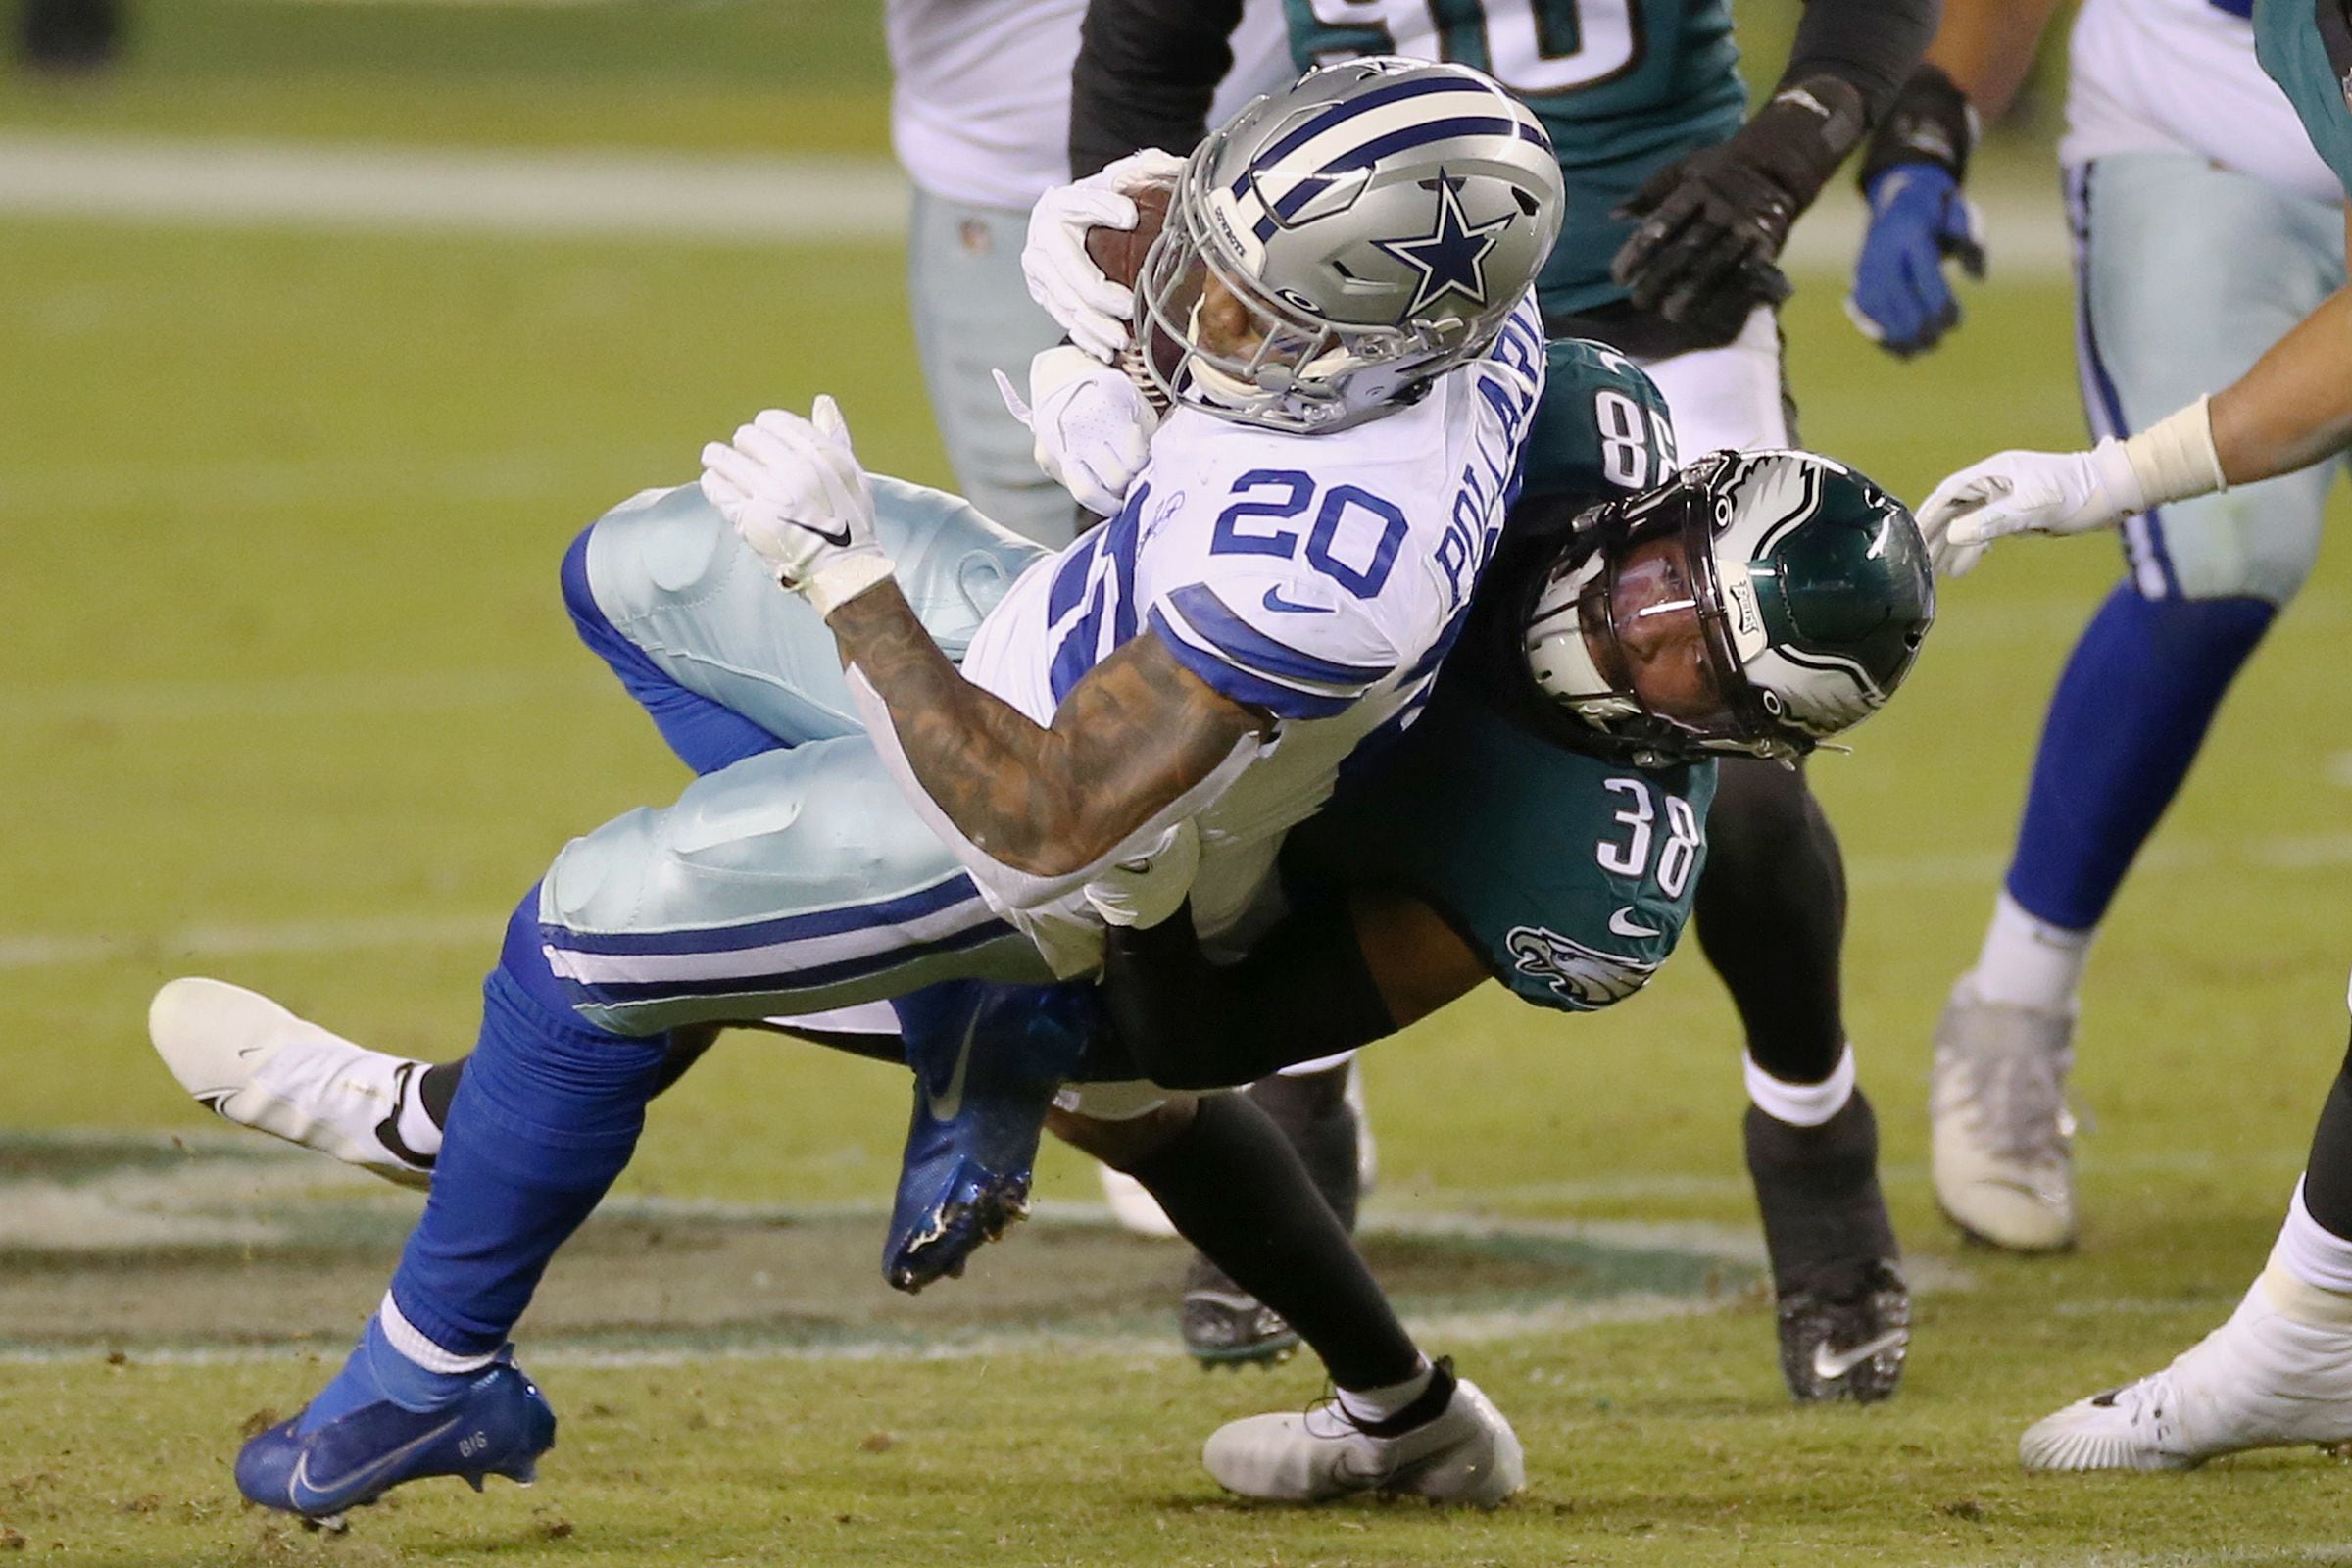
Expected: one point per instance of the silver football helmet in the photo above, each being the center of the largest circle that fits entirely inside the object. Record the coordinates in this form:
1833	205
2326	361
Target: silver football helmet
1337	245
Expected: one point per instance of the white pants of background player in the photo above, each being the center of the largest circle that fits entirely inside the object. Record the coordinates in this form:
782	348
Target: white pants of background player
2187	272
973	314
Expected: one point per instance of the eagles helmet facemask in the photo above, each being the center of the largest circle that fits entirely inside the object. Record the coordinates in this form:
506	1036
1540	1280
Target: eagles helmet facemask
1758	603
1337	245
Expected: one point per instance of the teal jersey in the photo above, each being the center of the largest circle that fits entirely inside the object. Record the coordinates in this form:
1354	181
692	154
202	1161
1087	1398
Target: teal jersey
1624	87
1570	875
1602	429
2306	46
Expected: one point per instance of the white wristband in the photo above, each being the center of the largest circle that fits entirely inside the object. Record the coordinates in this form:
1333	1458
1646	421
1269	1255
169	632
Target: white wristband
2175	459
843	577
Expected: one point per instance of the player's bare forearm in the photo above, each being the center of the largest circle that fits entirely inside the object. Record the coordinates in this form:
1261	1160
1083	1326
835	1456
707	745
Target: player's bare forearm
1988	48
1048	799
2296	406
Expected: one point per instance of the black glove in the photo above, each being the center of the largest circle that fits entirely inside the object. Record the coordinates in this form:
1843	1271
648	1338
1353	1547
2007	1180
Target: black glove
1712	224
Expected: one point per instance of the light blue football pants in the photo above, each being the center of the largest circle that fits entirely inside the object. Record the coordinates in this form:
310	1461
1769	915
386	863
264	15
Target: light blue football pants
2187	273
795	879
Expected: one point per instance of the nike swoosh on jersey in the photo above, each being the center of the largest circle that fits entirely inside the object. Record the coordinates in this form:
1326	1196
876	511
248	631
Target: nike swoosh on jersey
944	1107
1829	1365
1275	601
1622	923
301	1483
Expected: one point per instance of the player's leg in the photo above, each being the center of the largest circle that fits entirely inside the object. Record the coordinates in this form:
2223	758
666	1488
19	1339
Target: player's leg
1316	1106
2187	272
1770	916
725	663
1236	1188
973	314
2278	1372
793	881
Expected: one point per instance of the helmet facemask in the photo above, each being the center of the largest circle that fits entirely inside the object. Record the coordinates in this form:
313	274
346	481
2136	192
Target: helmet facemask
1653	661
1758	603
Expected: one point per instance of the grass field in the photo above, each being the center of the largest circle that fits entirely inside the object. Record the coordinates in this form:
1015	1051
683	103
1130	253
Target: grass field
292	699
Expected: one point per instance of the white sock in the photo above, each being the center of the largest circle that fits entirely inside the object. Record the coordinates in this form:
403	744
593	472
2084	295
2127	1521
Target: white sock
410	1341
2308	1251
1370	1406
1802	1104
2029	963
417	1126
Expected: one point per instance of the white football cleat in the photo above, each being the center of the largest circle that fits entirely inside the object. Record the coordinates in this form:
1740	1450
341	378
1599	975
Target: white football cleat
2003	1136
2262	1380
1466	1454
254	1063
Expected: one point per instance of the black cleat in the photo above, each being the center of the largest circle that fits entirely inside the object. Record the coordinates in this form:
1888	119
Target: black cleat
1844	1310
1224	1325
1844	1332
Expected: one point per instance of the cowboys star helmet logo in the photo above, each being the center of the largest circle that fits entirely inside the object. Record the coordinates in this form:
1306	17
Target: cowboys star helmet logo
1451	258
1582	978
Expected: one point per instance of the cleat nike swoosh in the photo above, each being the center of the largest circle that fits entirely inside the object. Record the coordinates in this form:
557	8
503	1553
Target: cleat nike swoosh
301	1480
1829	1365
1622	923
944	1107
1275	601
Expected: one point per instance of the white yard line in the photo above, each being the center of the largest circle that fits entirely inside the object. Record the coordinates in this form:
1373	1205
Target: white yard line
660	197
666	198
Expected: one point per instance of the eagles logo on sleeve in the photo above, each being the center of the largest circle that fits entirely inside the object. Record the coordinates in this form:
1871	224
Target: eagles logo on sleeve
1584	978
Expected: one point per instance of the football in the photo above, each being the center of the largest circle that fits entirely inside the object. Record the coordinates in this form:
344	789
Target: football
1120	252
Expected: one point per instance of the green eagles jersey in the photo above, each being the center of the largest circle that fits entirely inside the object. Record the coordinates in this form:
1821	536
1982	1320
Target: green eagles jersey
2306	46
1623	86
1568	874
1602	429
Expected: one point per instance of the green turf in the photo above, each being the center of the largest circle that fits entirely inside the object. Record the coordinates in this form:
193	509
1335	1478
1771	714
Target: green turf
285	655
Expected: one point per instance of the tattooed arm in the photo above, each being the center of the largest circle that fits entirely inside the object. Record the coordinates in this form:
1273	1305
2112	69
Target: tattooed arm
1135	734
1048	802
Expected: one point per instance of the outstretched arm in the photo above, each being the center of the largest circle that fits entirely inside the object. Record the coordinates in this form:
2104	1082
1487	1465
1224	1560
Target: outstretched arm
2292	409
1047	801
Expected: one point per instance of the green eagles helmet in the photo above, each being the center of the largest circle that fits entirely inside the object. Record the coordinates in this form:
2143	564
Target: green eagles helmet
1757	603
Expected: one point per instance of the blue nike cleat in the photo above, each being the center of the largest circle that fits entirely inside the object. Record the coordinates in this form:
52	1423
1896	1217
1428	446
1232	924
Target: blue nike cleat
987	1061
498	1426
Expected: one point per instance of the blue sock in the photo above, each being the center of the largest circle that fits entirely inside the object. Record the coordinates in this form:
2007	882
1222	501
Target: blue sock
2130	712
545	1118
706	735
376	1372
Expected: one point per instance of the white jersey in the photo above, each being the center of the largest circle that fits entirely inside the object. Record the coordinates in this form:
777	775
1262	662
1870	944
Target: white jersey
980	105
2179	75
1320	578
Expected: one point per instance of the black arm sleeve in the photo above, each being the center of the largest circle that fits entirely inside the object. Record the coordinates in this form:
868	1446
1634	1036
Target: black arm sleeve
1146	74
1302	993
1872	45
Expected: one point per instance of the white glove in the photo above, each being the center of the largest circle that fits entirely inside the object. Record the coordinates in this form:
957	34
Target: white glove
793	490
1092	309
1147	890
1092	422
2027	492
